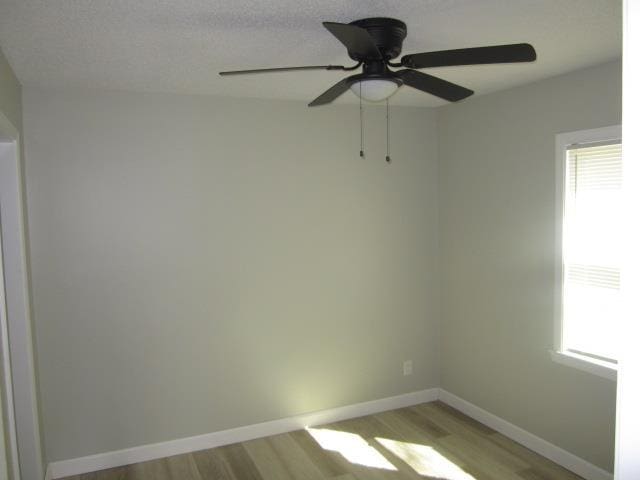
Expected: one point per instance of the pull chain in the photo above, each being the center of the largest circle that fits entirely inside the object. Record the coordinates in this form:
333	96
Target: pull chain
361	125
388	157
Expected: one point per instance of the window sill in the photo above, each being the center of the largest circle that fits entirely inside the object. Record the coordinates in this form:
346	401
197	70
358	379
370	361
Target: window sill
587	364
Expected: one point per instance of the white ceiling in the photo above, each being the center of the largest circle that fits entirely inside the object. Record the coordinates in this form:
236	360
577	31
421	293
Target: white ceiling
180	45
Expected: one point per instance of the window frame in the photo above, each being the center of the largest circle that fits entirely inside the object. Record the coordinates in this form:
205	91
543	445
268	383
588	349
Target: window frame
559	353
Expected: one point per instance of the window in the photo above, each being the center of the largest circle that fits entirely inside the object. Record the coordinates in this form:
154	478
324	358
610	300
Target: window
590	225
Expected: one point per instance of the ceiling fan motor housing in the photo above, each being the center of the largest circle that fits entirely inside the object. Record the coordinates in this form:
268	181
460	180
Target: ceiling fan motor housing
387	33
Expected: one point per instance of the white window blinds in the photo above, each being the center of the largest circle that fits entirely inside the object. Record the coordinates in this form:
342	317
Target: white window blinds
592	249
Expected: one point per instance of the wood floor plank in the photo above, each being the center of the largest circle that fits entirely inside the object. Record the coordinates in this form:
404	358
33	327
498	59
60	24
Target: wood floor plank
535	473
465	419
407	432
459	423
182	466
156	469
405	470
366	427
402	429
266	460
422	422
324	460
178	466
475	458
532	474
118	473
294	457
357	464
476	439
469	430
545	467
211	464
85	476
240	463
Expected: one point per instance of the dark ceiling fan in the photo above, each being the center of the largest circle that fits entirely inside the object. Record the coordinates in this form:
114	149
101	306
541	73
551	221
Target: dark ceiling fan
373	42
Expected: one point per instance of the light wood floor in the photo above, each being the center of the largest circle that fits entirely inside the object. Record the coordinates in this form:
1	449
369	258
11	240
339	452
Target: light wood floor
430	440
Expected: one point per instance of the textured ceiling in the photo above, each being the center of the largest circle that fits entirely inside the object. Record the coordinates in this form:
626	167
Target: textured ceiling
180	45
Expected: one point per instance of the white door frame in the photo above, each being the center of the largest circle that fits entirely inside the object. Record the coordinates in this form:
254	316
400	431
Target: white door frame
20	338
8	412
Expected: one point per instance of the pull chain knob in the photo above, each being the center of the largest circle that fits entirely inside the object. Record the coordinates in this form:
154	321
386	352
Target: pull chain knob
388	157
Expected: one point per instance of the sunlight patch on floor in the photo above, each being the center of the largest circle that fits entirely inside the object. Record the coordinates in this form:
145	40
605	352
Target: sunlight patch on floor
425	460
351	446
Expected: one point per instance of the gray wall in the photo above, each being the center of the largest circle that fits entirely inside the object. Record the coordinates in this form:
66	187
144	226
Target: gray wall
202	263
497	164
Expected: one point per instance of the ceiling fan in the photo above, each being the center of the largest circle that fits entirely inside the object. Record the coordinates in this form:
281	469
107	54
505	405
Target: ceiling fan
373	42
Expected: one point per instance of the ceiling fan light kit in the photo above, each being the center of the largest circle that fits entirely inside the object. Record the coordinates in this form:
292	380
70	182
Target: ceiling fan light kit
375	90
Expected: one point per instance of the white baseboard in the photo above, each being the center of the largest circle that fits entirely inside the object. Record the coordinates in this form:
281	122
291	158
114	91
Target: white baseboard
92	463
47	475
556	454
143	453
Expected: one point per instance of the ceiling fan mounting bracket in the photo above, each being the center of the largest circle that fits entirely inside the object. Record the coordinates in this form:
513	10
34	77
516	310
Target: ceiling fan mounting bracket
387	33
375	67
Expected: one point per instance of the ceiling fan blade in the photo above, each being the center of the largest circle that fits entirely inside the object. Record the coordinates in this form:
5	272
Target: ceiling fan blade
433	85
284	69
333	93
517	52
357	40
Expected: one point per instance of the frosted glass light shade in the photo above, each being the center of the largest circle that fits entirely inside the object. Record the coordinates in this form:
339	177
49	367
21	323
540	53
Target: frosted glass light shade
374	90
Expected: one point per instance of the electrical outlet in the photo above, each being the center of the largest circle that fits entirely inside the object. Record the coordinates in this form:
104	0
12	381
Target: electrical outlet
407	367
